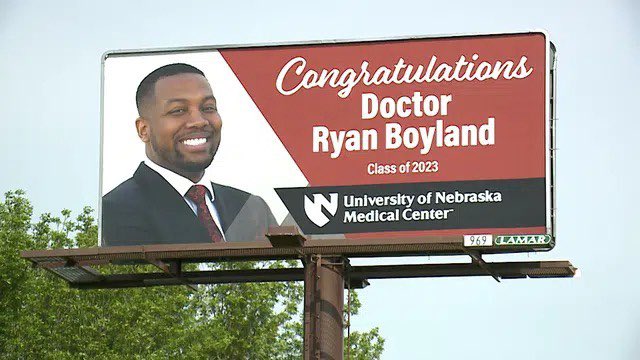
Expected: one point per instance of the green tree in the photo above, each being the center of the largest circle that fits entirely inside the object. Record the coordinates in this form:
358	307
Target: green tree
42	318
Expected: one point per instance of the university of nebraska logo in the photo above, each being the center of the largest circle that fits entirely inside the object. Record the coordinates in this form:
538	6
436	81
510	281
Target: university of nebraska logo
313	208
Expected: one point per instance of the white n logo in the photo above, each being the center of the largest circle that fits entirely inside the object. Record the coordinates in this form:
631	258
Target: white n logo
313	208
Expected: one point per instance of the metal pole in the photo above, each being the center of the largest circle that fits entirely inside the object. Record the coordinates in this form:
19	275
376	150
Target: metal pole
323	308
310	312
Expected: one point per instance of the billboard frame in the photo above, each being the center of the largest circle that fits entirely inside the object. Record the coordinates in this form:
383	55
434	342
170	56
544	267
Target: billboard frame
550	128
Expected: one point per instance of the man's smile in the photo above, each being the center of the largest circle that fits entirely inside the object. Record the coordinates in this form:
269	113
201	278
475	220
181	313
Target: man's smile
194	142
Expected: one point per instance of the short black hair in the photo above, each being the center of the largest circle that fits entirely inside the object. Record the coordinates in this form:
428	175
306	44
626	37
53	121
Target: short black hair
148	84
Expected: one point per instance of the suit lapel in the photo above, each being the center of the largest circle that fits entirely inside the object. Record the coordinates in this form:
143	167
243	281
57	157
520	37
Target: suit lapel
169	213
227	205
222	207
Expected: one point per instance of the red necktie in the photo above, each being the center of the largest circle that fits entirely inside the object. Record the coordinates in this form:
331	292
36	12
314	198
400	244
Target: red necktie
197	194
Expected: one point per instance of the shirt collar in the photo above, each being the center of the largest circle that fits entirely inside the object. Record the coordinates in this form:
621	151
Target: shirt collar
179	182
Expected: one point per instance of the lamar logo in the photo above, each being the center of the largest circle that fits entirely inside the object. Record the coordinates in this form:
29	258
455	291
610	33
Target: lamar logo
523	240
313	208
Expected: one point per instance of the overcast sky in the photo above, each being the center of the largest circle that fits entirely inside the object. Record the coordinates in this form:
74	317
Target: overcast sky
50	55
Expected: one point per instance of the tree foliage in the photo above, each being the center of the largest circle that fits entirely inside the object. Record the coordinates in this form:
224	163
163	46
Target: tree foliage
42	318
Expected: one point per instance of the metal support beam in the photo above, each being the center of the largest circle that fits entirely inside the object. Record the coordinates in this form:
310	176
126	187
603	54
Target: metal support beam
84	277
173	268
323	308
191	277
476	258
285	236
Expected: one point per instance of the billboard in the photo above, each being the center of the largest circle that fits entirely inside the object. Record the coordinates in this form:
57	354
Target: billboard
440	136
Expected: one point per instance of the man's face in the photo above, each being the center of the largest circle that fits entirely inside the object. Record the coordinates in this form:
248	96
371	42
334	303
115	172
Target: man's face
180	125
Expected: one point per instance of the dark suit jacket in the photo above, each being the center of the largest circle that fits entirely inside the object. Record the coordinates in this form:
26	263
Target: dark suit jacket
146	209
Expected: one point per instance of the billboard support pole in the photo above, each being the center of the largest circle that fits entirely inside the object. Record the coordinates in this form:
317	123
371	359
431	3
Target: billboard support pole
323	307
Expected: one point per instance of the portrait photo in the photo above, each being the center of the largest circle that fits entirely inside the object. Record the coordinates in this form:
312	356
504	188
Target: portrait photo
187	157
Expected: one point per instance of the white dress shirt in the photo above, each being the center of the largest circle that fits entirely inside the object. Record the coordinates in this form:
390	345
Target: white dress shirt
182	185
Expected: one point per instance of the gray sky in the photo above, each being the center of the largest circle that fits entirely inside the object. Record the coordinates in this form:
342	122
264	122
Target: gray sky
50	96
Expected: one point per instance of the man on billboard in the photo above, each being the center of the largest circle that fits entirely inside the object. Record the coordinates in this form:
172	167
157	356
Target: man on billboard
168	199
